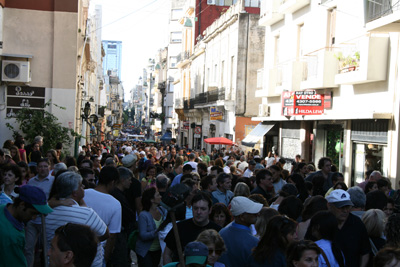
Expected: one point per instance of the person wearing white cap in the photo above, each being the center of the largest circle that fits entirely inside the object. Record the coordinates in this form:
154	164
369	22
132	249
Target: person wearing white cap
352	236
237	236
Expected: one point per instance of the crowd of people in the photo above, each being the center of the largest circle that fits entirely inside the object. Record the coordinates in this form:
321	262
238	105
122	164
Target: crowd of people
240	210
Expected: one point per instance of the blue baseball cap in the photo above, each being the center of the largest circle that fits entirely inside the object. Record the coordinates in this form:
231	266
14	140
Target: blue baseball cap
196	252
35	196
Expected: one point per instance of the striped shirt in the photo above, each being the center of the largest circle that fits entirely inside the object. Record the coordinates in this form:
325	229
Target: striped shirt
62	215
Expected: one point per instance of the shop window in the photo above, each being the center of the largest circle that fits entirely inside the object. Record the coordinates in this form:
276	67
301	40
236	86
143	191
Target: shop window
368	157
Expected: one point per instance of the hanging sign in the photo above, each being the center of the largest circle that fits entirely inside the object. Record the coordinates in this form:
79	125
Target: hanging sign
302	103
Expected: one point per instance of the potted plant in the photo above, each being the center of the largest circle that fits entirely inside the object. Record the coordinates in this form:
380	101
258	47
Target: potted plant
349	63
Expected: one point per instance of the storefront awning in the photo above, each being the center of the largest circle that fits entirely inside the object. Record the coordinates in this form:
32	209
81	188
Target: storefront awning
256	134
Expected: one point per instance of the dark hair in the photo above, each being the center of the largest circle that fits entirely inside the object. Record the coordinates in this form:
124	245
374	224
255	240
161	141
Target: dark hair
202	166
392	230
369	186
376	200
318	181
386	255
87	161
274	238
261	175
382	182
217	168
15	170
165	165
275	167
336	175
300	185
312	205
222	176
220	208
321	162
108	174
296	249
299	166
291	206
84	172
147	196
79	239
259	199
70	161
202	196
343	185
43	160
206	181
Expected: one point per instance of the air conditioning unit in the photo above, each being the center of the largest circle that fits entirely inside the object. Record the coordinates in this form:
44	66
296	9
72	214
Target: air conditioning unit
263	110
211	2
15	71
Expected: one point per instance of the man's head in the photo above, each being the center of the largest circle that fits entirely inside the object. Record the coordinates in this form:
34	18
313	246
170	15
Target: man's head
209	183
129	160
245	210
224	182
339	203
168	168
69	185
264	178
43	168
357	196
252	165
202	169
38	140
125	178
108	176
187	169
325	164
275	172
88	175
162	182
72	245
31	202
192	157
201	206
375	176
87	163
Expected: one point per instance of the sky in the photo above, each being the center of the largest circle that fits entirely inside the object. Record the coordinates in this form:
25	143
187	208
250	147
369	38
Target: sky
141	25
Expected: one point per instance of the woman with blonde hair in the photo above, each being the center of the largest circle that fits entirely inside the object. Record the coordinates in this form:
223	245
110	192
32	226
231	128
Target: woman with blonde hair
241	189
215	244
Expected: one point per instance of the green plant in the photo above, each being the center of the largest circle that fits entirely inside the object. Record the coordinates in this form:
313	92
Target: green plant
41	122
349	61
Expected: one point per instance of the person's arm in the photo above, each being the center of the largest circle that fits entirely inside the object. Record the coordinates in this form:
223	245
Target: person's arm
109	246
53	202
167	257
138	205
364	260
105	236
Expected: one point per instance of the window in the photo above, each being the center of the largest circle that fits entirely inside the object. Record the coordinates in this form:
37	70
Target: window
176	37
222	73
172	62
252	3
215	73
176	14
331	27
276	52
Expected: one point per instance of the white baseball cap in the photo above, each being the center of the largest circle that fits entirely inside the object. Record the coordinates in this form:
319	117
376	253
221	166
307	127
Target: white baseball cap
240	205
339	198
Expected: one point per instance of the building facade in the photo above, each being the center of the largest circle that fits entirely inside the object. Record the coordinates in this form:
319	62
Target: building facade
329	84
113	56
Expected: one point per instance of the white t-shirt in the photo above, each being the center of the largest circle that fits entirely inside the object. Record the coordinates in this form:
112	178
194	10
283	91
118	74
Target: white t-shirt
248	173
62	215
243	165
227	169
107	207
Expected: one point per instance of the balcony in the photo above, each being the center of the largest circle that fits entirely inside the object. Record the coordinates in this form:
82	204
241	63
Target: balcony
182	58
201	98
363	61
319	70
382	16
291	6
285	76
178	103
269	12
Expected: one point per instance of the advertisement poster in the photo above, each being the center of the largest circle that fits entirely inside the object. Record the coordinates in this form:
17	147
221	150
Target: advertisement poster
215	114
302	103
185	125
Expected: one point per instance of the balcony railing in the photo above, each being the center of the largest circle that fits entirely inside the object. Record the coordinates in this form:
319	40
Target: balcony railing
182	56
380	8
201	98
